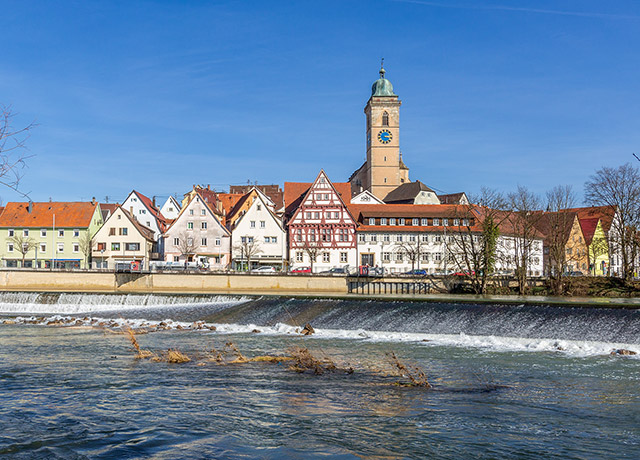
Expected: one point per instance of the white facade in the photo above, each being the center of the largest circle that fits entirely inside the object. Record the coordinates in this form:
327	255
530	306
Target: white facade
170	209
431	251
263	230
120	240
366	197
137	205
198	230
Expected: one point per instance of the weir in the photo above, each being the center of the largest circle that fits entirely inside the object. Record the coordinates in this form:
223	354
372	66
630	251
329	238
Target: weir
488	320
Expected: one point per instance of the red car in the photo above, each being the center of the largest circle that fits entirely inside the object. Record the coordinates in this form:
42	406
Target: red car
301	270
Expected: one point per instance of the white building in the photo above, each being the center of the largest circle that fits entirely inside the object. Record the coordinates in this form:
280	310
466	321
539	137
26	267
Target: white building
170	209
257	234
122	239
143	209
198	236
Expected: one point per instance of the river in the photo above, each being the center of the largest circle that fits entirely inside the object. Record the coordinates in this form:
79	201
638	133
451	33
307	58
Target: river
508	381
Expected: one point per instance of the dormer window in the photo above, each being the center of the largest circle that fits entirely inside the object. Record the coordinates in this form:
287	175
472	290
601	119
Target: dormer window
372	220
385	119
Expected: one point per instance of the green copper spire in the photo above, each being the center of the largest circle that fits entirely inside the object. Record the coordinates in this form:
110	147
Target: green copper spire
382	86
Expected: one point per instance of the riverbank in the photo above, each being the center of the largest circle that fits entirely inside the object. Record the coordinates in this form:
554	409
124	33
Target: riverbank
290	286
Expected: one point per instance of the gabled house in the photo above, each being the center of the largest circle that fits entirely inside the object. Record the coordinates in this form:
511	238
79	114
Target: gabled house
563	233
170	209
197	235
122	238
320	229
144	210
412	193
597	223
257	235
49	234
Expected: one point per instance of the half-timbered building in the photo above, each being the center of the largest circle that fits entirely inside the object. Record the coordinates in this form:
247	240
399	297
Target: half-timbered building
321	230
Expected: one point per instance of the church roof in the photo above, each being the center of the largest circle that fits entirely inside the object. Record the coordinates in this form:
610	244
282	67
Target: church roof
382	86
406	192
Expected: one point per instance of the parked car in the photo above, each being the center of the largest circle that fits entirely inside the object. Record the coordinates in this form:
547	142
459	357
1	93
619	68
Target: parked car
301	270
416	271
472	273
574	273
264	269
442	273
335	271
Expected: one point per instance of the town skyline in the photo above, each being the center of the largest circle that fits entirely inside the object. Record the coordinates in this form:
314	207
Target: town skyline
127	97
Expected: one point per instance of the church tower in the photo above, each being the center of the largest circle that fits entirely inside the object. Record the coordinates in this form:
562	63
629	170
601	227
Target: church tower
384	170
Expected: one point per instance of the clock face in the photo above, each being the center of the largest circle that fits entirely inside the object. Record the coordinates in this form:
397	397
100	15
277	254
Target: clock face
385	136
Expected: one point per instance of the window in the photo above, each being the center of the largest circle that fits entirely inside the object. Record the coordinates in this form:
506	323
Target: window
424	222
112	231
259	207
436	222
114	246
402	221
438	256
307	215
336	215
176	258
76	233
170	209
385	180
263	224
124	231
11	233
25	232
326	236
425	256
148	224
61	233
343	235
176	241
399	238
362	238
372	221
274	239
267	239
252	224
322	180
398	257
415	222
43	247
438	238
383	221
191	212
312	234
102	246
203	225
456	222
343	257
424	238
60	247
386	257
445	222
132	246
218	242
203	212
412	238
465	222
326	257
243	239
119	217
386	238
392	221
316	215
298	257
10	247
203	242
189	225
299	235
374	238
43	232
385	119
76	247
189	241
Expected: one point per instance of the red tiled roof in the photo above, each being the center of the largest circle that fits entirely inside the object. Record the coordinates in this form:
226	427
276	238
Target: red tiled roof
604	213
162	222
273	191
146	232
68	214
588	227
229	200
295	191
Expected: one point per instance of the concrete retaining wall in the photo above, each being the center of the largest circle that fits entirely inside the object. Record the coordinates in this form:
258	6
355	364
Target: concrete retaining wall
33	280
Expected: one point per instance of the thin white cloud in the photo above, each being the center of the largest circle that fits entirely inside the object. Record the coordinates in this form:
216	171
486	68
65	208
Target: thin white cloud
521	10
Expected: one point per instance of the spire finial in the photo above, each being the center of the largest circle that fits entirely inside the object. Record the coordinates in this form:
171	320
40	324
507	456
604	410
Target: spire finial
382	68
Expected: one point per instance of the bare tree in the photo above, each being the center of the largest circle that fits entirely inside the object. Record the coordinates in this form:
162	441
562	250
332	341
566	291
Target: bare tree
187	246
85	244
474	245
523	219
413	249
556	226
248	248
24	244
312	250
12	149
619	187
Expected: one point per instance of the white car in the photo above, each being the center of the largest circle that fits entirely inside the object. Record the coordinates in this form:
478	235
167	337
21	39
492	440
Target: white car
265	269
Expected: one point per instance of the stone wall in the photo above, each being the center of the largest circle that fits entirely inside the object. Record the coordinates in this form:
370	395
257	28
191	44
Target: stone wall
42	280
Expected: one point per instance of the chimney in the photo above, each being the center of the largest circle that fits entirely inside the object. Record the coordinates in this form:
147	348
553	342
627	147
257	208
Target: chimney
93	200
131	210
154	201
30	206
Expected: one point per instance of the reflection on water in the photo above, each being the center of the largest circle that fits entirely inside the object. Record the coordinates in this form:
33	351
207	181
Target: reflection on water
69	393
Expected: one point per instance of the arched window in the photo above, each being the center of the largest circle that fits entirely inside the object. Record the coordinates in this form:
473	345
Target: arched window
385	119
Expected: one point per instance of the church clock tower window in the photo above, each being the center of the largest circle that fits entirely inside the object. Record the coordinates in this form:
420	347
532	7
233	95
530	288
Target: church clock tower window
385	119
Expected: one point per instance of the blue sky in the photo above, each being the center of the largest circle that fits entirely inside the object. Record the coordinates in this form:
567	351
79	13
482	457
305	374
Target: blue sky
160	95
